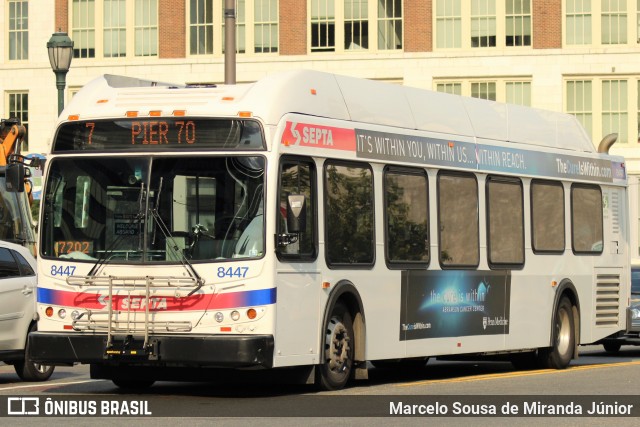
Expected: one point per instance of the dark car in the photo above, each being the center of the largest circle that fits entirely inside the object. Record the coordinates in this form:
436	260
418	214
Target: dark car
18	311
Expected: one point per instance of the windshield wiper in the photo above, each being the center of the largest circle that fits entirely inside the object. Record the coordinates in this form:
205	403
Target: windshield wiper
173	245
138	220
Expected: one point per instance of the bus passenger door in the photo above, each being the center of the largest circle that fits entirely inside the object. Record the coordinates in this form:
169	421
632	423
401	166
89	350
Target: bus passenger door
297	273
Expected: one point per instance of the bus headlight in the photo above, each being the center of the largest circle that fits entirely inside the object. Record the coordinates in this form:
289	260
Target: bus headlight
62	313
635	313
235	316
219	317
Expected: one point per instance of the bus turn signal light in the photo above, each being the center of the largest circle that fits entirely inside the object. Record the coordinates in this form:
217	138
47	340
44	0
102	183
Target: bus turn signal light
251	313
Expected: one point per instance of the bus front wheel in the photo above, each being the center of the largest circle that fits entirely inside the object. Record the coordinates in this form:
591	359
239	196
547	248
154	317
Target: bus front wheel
335	369
560	353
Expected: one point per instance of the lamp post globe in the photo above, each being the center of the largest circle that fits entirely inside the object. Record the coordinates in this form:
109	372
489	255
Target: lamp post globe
60	48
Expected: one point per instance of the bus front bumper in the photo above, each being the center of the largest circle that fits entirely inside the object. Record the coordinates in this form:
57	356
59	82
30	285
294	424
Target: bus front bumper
225	351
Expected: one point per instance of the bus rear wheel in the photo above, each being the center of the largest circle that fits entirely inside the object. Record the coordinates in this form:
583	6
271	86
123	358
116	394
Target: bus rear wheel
560	353
335	370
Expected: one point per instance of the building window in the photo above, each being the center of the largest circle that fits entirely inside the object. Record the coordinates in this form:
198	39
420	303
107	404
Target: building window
484	90
115	28
389	24
84	31
18	108
638	22
256	22
346	25
605	105
265	26
146	28
518	23
473	24
241	27
18	30
579	102
449	23
356	24
614	21
452	88
323	26
614	109
201	27
503	90
578	18
518	93
483	23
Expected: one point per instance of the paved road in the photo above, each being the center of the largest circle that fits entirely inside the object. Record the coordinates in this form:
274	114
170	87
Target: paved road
596	375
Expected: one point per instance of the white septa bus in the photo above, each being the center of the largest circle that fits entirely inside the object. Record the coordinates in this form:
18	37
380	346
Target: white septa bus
312	222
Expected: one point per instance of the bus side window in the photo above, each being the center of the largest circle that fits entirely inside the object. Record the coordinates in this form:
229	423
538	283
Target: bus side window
505	222
297	177
586	219
349	216
547	217
406	211
458	220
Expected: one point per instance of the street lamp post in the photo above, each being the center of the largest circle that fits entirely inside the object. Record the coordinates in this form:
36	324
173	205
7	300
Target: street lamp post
60	48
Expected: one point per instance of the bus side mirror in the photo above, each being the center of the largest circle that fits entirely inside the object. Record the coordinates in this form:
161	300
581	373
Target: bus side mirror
15	174
296	213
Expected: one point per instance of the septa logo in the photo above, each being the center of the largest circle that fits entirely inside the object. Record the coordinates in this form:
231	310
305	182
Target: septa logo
318	136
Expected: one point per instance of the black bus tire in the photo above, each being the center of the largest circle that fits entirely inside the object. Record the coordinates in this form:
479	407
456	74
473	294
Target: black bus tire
559	355
337	352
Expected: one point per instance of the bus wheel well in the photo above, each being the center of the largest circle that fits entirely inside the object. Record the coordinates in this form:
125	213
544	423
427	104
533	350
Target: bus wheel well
346	294
564	332
568	291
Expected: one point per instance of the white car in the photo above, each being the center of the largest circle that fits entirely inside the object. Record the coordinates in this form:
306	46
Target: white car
18	311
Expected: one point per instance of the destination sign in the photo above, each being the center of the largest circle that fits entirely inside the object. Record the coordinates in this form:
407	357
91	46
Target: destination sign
161	133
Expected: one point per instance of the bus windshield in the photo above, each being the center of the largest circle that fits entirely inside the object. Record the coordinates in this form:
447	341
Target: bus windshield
154	209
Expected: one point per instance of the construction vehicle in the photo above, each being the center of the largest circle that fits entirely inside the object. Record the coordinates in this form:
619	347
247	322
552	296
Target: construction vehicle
18	315
16	221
